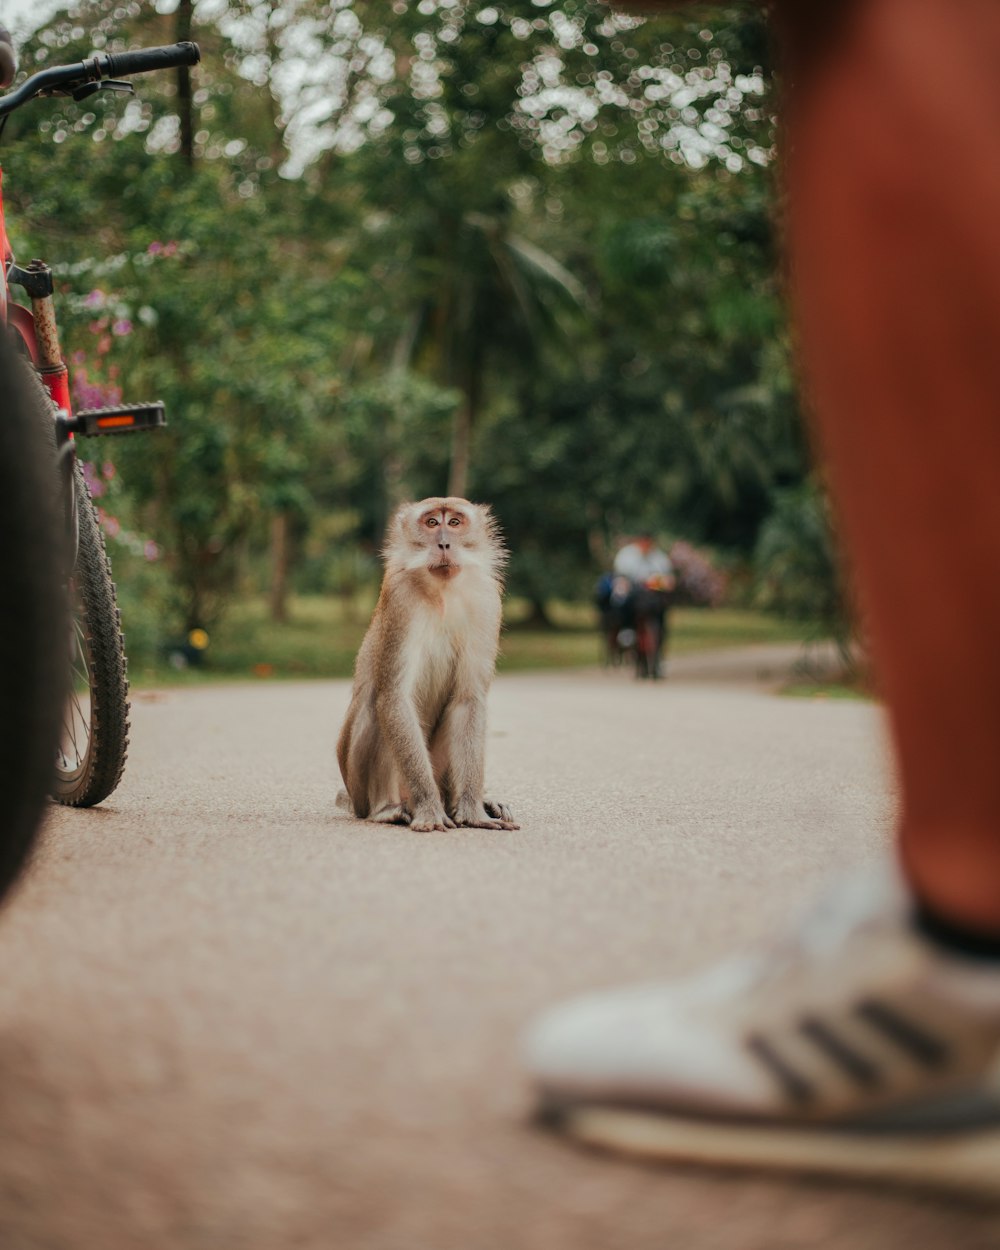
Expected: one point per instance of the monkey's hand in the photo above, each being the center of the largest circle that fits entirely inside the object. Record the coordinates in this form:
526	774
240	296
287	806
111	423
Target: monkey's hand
500	811
427	817
485	815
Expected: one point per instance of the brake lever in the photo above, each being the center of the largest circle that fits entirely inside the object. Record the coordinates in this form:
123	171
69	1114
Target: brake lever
113	85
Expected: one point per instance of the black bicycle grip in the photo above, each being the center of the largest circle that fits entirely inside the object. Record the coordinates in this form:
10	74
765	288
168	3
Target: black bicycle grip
144	60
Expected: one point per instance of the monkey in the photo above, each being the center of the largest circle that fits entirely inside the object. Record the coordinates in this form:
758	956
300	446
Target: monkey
413	744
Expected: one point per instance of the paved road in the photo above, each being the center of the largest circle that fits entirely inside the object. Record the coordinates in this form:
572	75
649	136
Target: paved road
234	1019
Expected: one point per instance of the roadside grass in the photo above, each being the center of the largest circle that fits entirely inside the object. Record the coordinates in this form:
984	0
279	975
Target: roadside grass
322	635
848	688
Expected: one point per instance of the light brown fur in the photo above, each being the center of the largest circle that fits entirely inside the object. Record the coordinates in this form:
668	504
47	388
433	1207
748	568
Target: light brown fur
412	747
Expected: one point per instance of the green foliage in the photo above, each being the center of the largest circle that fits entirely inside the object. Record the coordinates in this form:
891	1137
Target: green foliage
397	427
525	244
321	639
797	562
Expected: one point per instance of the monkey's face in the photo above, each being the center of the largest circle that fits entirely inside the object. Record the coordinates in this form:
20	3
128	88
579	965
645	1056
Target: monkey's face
444	527
438	538
443	536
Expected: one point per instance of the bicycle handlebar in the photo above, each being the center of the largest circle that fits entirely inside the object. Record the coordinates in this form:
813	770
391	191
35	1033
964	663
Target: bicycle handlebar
62	78
144	60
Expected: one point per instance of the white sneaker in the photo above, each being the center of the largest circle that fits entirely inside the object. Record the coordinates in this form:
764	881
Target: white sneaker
855	1047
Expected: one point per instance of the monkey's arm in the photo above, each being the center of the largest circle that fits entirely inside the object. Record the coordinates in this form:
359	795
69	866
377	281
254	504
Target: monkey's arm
465	750
403	734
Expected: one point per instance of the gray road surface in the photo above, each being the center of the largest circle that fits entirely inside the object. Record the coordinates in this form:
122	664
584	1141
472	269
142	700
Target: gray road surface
233	1019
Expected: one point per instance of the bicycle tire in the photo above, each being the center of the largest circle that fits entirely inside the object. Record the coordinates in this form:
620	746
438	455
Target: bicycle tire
94	747
34	617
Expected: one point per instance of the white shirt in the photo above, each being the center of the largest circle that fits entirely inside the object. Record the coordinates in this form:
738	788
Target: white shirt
639	566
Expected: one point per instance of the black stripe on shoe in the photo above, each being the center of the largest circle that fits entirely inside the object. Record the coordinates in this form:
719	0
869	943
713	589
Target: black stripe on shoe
920	1045
857	1066
793	1084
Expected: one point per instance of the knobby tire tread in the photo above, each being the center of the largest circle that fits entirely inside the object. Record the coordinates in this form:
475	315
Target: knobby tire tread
96	610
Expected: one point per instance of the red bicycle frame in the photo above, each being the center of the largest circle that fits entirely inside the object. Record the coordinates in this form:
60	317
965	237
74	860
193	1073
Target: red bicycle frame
36	326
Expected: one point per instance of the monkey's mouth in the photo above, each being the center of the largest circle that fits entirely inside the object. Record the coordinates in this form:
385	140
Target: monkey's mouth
445	569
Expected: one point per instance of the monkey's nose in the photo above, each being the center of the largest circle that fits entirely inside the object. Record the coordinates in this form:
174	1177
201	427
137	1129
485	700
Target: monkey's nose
444	546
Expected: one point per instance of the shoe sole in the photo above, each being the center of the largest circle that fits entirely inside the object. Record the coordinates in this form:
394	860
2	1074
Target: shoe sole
967	1161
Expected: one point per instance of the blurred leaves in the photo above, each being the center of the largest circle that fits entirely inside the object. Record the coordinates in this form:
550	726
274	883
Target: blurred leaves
527	245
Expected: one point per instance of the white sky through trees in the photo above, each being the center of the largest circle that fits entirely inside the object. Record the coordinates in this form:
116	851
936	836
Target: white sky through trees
23	16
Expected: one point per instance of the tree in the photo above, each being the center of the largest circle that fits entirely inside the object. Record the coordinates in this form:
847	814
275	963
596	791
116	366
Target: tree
450	113
520	250
241	366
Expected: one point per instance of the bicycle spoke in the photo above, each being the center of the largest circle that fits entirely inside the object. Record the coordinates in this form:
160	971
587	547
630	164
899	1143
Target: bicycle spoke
74	716
76	721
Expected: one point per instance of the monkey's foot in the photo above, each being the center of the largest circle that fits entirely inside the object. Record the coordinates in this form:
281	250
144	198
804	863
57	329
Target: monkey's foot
428	820
499	811
485	815
391	814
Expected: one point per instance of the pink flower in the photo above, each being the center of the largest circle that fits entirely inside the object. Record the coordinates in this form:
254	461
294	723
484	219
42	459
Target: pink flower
151	551
122	327
95	299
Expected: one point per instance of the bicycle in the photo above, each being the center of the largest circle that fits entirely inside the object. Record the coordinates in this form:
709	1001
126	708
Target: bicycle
91	754
650	602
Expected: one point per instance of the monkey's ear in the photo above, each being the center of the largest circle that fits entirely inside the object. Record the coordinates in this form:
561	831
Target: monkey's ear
494	535
401	517
395	531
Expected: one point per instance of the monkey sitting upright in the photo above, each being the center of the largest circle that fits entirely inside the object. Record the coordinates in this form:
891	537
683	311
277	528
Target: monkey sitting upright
413	745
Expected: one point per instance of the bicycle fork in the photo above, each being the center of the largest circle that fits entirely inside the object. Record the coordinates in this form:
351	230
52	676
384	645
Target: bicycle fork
116	419
48	362
36	281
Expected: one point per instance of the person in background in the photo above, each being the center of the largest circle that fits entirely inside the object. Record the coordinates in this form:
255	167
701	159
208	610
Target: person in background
613	599
641	559
651	573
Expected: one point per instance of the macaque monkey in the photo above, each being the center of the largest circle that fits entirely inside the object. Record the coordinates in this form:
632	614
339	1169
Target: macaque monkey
413	745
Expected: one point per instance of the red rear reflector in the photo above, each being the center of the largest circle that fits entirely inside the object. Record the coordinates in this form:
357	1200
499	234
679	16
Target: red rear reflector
110	423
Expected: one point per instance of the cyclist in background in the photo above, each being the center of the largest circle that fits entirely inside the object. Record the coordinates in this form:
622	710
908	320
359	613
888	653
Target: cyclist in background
651	573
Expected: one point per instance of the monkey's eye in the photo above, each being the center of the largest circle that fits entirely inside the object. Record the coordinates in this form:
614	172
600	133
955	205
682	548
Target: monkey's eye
432	521
455	521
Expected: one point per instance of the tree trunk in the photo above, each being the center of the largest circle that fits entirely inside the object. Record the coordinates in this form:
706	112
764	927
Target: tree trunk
281	563
598	547
538	617
274	112
461	432
185	100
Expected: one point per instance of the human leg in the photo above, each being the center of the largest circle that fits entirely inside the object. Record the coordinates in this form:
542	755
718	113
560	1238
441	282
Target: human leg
894	195
864	1026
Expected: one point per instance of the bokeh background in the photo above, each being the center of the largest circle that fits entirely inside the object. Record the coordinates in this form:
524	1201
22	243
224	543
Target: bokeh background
524	251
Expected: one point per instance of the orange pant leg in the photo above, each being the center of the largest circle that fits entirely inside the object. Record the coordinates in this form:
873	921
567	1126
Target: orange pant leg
892	150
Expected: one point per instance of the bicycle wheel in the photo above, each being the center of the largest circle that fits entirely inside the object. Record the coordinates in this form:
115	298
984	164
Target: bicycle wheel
34	619
94	745
643	648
